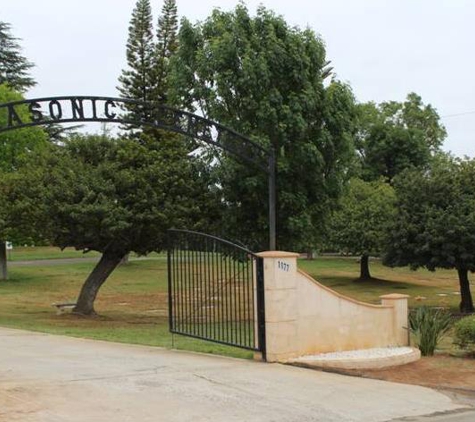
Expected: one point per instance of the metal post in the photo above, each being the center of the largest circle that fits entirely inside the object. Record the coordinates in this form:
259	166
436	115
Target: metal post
171	284
272	200
261	307
3	261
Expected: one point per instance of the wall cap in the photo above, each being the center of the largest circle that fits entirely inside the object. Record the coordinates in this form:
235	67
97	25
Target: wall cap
277	254
394	296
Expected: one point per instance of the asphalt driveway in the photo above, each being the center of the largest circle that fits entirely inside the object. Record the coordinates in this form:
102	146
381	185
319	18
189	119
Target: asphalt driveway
54	378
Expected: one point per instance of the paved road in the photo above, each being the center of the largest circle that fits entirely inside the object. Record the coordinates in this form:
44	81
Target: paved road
46	378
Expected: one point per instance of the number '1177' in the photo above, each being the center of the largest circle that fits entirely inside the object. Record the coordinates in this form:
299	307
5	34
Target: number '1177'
283	266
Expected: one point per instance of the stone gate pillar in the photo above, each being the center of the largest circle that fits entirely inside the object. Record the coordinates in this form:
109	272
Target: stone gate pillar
401	323
281	305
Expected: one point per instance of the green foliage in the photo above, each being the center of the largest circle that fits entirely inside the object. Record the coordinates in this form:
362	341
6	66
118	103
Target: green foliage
137	80
265	79
429	325
16	145
146	75
424	118
14	68
364	216
436	220
436	216
395	136
96	193
106	195
16	148
464	333
14	78
167	43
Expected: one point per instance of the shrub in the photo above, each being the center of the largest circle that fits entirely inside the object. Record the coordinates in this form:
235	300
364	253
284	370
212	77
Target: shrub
464	333
429	325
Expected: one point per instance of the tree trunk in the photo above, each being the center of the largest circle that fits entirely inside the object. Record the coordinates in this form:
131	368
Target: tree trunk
364	268
310	255
466	304
100	273
125	259
3	261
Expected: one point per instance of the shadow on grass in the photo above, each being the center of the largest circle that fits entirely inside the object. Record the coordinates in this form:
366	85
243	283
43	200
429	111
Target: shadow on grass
369	291
339	281
379	282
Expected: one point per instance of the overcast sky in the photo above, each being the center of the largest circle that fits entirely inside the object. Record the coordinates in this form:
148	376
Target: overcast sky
383	48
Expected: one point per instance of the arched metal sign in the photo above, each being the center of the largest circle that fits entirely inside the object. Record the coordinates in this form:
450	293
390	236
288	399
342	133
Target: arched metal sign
83	109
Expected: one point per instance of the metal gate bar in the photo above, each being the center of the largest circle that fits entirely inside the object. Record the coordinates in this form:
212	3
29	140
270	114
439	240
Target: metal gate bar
216	290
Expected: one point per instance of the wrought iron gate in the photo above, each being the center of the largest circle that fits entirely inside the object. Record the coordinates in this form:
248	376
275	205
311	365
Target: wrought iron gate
216	290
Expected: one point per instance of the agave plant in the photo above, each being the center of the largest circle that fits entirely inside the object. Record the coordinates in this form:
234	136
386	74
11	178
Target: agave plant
429	325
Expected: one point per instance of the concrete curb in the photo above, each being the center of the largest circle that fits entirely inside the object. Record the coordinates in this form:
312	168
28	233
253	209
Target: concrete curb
360	363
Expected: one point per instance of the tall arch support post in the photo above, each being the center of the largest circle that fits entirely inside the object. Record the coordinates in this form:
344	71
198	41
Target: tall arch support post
272	200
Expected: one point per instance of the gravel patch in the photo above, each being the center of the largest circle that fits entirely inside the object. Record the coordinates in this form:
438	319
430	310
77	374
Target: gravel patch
381	352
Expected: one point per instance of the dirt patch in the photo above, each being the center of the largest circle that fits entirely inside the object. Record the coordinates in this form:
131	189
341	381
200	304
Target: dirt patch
440	371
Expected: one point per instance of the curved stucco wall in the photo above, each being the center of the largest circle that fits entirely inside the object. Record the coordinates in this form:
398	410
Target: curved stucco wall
304	317
330	322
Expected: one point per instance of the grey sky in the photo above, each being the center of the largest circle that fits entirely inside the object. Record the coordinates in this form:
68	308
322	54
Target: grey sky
383	48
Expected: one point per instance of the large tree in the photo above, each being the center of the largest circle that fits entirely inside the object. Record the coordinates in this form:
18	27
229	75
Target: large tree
109	195
435	223
14	67
266	79
361	223
14	79
15	148
393	136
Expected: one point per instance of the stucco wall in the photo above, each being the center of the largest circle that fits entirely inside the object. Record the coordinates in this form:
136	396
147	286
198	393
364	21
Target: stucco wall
304	317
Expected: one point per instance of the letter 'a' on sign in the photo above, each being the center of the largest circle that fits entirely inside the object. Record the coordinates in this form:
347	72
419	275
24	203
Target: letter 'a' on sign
13	117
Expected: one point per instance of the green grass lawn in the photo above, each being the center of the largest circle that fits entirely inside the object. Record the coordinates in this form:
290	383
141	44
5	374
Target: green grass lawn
132	305
133	302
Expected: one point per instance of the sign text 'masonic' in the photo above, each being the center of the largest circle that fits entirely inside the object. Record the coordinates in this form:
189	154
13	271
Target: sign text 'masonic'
43	111
56	110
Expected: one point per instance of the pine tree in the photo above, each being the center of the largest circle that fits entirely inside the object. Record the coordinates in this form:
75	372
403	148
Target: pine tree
14	68
137	80
146	76
167	30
